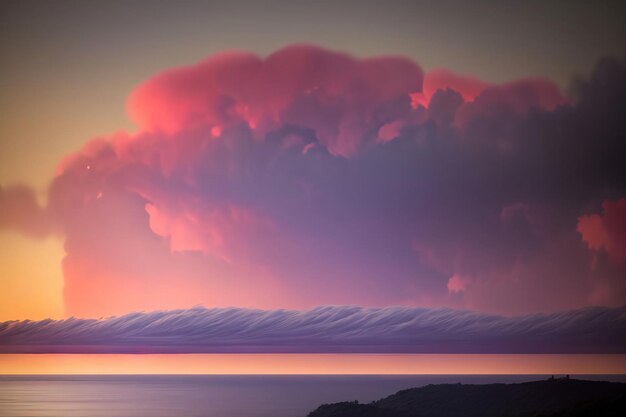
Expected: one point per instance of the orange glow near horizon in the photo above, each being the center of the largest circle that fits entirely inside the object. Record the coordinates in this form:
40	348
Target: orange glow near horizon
294	364
32	283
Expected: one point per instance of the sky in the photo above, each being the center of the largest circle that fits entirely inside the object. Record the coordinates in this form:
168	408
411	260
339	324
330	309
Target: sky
159	155
307	364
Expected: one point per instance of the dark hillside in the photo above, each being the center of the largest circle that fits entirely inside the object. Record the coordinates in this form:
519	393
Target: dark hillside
550	398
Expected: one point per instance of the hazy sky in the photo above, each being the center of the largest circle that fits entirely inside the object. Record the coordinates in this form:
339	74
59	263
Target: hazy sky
67	69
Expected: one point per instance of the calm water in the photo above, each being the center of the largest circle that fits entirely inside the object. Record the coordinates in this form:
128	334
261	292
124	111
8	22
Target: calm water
210	395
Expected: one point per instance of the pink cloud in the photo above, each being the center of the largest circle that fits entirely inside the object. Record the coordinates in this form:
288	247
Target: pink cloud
338	96
606	231
307	178
217	231
458	283
518	97
481	99
442	79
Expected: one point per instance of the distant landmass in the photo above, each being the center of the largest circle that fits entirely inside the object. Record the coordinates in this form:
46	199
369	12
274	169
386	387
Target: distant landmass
555	397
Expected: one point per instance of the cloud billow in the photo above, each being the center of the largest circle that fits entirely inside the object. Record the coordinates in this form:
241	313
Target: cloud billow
311	177
328	329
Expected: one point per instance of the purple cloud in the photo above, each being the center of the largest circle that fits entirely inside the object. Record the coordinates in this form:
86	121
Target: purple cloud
330	329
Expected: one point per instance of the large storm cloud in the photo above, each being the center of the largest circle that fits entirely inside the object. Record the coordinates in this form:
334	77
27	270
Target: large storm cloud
311	177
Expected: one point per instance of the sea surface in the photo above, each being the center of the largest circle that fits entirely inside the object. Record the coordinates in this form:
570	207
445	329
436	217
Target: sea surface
211	395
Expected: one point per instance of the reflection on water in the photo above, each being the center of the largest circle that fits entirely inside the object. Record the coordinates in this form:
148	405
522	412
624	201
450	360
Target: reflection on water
209	395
